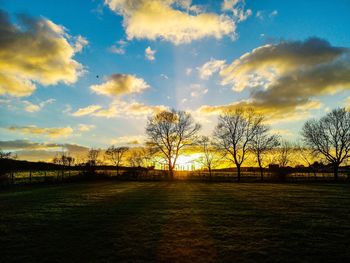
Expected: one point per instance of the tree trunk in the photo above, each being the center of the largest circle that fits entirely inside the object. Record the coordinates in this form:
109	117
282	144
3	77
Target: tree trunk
171	170
261	171
209	168
238	173
117	170
171	173
335	169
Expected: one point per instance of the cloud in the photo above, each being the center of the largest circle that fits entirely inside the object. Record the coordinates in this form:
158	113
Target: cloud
188	71
36	51
171	20
85	127
210	67
87	110
262	14
119	108
120	84
287	77
130	109
50	132
197	90
129	140
118	49
31	107
149	53
237	9
273	13
164	76
35	151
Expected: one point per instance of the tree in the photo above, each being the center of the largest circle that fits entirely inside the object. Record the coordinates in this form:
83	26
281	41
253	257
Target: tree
7	155
92	157
235	132
139	157
115	155
262	143
305	155
169	132
330	137
284	153
210	157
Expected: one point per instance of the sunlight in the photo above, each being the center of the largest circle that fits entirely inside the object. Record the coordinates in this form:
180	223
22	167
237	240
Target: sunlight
187	162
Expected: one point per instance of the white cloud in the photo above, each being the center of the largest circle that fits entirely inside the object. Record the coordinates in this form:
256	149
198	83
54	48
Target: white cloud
188	71
149	53
237	7
164	76
273	13
197	90
210	67
119	48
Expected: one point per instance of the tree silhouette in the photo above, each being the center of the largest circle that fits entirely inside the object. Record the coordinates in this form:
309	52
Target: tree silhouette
115	155
234	133
262	143
7	155
210	156
169	132
330	137
284	153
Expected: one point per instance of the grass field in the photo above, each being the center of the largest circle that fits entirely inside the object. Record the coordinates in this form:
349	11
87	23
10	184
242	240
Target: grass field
175	221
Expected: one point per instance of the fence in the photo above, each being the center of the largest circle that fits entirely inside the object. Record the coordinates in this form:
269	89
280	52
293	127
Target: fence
62	175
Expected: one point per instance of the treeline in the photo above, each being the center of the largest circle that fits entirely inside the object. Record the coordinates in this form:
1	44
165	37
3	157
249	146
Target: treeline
239	135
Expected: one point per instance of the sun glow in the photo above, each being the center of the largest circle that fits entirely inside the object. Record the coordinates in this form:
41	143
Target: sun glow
188	162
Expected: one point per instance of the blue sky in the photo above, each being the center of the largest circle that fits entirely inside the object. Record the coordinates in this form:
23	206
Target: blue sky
173	77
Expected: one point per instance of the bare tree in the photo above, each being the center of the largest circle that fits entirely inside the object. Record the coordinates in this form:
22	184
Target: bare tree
139	157
284	153
261	144
305	155
92	157
210	157
235	132
115	155
169	132
7	155
330	137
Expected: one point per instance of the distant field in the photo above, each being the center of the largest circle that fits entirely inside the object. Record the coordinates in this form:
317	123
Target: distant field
175	221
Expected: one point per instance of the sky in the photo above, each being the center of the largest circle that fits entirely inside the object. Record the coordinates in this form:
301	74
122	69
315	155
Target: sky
88	73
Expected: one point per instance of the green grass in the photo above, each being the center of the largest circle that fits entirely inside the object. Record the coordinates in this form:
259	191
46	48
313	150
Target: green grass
175	221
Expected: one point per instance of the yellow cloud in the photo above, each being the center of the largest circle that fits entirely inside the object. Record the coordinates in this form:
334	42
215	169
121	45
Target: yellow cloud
50	132
87	110
120	84
285	79
153	19
37	51
85	127
119	108
129	140
31	107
